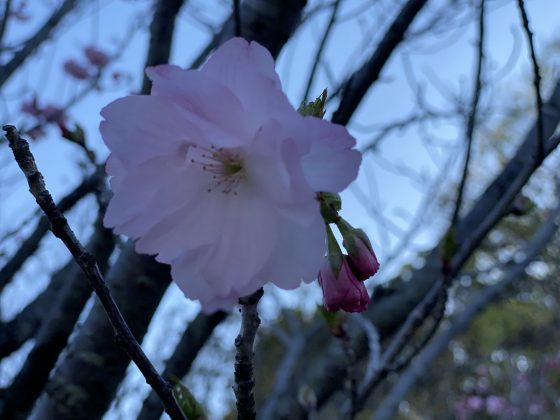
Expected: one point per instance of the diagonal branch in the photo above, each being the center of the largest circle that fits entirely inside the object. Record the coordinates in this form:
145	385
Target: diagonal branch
536	81
461	322
30	245
61	229
360	82
33	43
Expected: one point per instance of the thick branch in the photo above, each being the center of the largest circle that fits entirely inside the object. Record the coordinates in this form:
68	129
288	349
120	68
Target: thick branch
161	36
61	229
57	322
362	79
244	379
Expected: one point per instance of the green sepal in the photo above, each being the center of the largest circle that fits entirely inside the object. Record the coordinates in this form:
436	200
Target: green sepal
334	253
75	136
190	407
330	206
315	108
334	320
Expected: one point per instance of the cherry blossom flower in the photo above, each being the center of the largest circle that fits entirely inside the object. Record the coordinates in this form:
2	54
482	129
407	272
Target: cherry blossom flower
76	70
216	174
96	56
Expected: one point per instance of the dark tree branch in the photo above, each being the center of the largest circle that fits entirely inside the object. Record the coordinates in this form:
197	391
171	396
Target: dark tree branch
362	79
536	81
471	121
319	53
237	17
57	323
4	22
194	338
30	245
161	36
33	43
392	307
461	322
86	261
244	379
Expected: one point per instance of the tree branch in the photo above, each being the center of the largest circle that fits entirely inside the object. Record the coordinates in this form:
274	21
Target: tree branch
194	338
319	53
33	43
471	121
244	380
30	245
461	322
361	80
86	261
536	81
56	325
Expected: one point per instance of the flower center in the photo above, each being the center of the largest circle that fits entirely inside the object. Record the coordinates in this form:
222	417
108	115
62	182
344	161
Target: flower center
225	166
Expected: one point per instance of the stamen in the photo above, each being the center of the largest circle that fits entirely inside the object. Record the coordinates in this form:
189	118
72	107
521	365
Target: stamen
225	166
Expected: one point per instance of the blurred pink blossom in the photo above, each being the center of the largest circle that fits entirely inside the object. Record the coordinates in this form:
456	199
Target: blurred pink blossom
76	70
495	405
216	174
475	403
96	56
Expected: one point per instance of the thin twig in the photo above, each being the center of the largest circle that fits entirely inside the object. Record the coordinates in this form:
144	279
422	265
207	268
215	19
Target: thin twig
471	122
536	82
37	39
4	22
244	379
319	53
30	245
237	17
461	321
86	261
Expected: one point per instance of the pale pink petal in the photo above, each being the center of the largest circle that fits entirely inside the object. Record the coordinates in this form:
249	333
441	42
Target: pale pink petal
331	164
199	94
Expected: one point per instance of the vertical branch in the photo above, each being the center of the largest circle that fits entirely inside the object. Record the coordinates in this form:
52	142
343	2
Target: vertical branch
4	21
536	81
86	261
237	17
471	122
319	52
244	379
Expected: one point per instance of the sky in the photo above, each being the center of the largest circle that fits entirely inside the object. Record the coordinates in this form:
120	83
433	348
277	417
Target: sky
393	180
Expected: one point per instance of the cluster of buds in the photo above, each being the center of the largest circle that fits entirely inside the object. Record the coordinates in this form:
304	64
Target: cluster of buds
43	115
96	60
342	275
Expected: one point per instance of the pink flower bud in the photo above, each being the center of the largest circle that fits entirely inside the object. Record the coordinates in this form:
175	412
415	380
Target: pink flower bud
362	258
95	56
30	107
342	290
76	70
54	114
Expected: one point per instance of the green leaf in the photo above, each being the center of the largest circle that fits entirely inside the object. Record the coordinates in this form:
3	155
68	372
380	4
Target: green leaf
315	108
190	407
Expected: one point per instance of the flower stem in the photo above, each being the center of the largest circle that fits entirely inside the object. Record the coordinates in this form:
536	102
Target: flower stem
244	380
